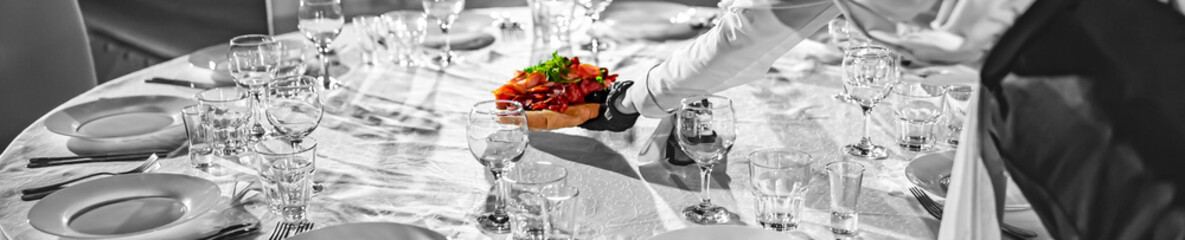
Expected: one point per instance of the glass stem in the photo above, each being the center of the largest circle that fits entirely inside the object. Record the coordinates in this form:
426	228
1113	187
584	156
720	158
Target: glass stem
499	192
705	176
448	43
595	43
323	50
867	112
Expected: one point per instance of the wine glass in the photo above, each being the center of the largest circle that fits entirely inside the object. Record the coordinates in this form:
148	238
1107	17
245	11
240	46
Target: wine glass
869	73
253	60
844	37
294	107
445	12
593	9
706	130
320	22
497	137
406	33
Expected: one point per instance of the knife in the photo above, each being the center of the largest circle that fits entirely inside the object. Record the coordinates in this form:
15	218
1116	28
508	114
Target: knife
230	232
185	83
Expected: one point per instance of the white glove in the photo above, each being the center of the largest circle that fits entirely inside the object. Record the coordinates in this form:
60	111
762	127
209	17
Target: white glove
740	49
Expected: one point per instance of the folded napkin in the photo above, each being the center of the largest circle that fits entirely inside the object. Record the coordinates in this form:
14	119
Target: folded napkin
970	210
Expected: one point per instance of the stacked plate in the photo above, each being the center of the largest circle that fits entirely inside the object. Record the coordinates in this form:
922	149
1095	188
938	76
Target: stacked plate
136	206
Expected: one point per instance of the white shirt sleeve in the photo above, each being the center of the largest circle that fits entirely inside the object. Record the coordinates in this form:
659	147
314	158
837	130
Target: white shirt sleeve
739	49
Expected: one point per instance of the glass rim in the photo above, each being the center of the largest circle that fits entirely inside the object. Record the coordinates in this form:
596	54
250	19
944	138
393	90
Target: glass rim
878	50
297	78
685	104
495	109
548	190
403	13
319	2
509	178
311	144
830	166
809	158
190	110
263	37
942	90
243	94
784	5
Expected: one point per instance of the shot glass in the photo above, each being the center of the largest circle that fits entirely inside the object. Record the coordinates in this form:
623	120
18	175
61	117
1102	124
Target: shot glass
779	177
228	123
564	210
200	150
846	179
286	173
406	31
527	206
918	107
957	98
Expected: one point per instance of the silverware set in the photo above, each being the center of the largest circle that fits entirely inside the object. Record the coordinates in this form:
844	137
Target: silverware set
186	83
234	231
37	193
509	28
40	162
284	229
935	210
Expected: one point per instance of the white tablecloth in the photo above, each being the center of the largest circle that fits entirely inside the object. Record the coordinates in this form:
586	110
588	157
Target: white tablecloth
394	151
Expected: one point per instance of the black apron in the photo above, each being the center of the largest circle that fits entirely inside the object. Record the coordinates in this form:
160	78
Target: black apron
1083	103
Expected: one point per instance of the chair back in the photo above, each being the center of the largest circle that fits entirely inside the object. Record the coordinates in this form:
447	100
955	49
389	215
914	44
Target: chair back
45	60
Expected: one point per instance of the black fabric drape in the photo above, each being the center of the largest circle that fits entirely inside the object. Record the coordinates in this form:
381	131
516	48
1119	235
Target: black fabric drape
1084	105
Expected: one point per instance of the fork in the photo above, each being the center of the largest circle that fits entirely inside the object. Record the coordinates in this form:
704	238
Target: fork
281	231
935	210
510	29
284	229
40	192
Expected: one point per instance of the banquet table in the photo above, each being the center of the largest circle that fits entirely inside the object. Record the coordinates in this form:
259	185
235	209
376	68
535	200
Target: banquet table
392	149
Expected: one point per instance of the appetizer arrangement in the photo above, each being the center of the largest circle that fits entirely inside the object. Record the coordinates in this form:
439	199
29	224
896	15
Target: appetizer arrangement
555	84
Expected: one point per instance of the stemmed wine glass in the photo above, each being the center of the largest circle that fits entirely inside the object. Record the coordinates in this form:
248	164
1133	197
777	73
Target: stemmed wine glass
294	107
321	21
445	12
706	129
869	73
253	60
593	9
497	136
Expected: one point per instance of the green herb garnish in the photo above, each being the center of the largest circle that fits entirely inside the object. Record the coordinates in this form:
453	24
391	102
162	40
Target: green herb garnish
556	69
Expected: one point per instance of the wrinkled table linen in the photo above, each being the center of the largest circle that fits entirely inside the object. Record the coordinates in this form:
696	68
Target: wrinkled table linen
391	148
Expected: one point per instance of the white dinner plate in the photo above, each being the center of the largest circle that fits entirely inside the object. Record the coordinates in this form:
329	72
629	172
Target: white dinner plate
124	205
371	231
648	20
118	118
469	32
927	171
724	232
